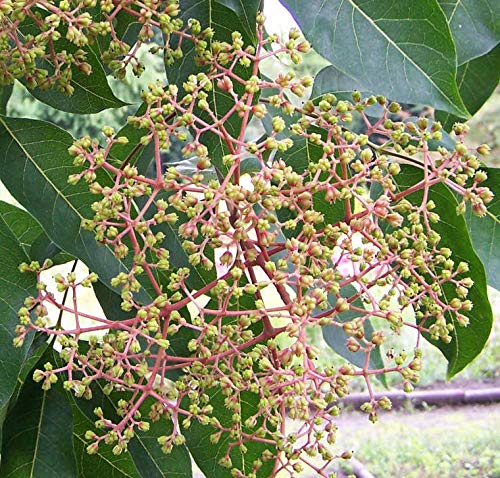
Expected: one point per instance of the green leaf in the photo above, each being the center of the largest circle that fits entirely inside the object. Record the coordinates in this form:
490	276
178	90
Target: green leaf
38	436
403	49
5	92
34	166
103	463
37	348
477	80
22	227
134	151
125	25
246	10
44	248
485	231
17	229
300	156
336	338
330	79
143	158
91	94
145	452
468	341
474	25
224	16
207	455
149	458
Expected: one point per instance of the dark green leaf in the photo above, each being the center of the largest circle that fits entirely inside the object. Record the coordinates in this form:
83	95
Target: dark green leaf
37	348
126	28
302	154
485	231
145	452
91	92
134	152
43	248
250	165
102	464
38	436
474	25
331	80
35	165
152	462
110	302
224	16
23	228
17	229
403	49
477	80
207	456
336	338
5	92
468	341
246	10
143	158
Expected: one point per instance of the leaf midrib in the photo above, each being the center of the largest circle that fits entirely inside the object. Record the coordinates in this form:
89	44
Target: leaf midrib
100	455
396	46
38	434
47	179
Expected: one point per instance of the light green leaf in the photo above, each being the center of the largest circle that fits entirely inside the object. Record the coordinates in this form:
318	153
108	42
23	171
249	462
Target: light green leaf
475	26
403	50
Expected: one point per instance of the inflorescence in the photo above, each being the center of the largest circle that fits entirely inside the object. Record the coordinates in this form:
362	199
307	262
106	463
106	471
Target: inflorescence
240	238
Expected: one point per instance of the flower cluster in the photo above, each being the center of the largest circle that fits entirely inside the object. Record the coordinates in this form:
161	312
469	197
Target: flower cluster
304	225
42	43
